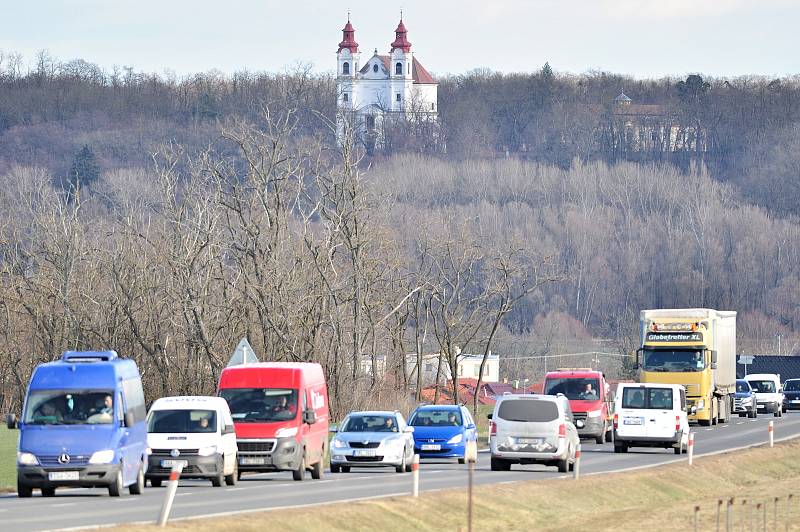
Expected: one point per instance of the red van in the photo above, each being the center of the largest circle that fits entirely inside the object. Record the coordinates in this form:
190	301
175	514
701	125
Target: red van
589	399
280	411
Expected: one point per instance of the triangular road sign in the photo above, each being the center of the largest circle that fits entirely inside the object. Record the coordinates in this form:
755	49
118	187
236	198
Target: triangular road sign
243	354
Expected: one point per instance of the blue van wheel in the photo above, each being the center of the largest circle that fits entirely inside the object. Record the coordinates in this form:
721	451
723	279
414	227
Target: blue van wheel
116	487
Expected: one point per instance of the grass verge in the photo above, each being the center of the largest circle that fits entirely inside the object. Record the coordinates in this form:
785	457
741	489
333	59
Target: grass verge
657	499
8	459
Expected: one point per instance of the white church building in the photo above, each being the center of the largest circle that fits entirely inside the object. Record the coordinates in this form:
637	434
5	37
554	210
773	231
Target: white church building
382	89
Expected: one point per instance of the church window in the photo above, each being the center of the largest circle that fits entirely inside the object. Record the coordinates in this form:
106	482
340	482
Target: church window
345	68
375	67
370	122
345	97
398	69
433	107
398	97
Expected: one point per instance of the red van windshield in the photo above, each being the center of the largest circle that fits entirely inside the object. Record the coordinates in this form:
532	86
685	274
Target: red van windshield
256	405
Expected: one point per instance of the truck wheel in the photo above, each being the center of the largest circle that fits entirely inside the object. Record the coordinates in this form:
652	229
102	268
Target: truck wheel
116	487
48	492
155	482
317	470
23	491
704	422
300	473
138	487
231	479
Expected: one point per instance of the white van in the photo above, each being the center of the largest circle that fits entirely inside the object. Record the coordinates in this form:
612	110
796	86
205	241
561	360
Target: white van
769	392
195	431
532	429
650	415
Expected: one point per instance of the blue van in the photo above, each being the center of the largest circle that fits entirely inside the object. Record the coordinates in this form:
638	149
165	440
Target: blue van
83	424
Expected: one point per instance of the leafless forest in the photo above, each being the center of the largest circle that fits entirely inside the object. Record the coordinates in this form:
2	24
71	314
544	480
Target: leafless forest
168	218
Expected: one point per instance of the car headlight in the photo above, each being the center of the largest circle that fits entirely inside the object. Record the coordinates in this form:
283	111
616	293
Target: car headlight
26	459
207	451
338	444
594	413
102	457
456	439
286	432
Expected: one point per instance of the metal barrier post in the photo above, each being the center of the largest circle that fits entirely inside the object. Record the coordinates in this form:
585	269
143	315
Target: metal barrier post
788	510
691	447
728	512
576	468
771	430
744	514
415	476
172	487
696	518
719	511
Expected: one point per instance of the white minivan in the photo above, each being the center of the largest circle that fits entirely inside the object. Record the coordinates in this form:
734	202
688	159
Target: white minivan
196	432
650	415
769	392
532	429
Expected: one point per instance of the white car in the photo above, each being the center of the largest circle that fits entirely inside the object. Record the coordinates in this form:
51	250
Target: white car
650	415
769	392
532	429
372	439
196	432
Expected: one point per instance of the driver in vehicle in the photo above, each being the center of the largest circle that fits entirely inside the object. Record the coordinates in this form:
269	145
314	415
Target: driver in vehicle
588	393
389	426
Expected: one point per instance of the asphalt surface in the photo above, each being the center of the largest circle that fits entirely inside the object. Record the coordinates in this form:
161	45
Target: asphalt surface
93	507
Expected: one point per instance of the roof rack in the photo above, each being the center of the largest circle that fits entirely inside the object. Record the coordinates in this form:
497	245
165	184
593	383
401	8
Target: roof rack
88	356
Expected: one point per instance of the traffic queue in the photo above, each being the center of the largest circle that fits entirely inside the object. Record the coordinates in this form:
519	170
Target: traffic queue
84	424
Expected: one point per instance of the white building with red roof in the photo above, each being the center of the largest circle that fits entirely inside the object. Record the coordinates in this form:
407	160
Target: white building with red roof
394	85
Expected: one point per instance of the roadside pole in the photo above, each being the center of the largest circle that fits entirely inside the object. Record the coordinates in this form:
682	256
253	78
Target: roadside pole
172	487
728	514
719	511
691	447
788	510
771	430
576	468
415	476
696	518
471	455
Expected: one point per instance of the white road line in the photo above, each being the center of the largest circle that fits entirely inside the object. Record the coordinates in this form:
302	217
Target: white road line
235	489
186	493
740	422
63	504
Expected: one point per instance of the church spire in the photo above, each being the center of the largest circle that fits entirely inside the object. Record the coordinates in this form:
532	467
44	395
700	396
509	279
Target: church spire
400	40
348	37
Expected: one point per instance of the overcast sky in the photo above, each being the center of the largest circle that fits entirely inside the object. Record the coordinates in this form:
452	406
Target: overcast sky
643	38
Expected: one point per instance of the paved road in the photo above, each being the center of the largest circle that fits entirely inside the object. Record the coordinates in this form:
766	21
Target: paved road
87	507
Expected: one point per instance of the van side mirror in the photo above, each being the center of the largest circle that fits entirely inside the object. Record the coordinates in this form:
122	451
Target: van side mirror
713	365
128	419
309	417
713	358
228	429
11	421
488	416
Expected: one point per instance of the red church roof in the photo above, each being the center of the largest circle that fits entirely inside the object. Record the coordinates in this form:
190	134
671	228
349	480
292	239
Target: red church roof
418	72
400	40
348	38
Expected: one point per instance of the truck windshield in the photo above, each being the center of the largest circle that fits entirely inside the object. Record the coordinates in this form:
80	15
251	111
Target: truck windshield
763	386
256	405
182	421
52	407
673	360
574	388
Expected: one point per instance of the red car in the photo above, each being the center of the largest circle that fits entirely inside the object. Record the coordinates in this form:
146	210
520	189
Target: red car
280	411
589	399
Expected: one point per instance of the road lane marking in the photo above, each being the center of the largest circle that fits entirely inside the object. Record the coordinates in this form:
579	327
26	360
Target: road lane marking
235	489
740	422
63	504
185	493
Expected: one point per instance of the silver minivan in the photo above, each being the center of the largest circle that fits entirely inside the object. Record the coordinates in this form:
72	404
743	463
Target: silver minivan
532	429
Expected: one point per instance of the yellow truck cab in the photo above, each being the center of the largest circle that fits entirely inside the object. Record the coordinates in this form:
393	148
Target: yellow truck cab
695	348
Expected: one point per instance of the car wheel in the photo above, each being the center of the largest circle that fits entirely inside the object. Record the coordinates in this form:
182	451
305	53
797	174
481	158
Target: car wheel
300	473
116	487
462	461
231	479
741	415
335	468
563	465
402	467
600	440
317	470
678	449
498	464
138	487
23	491
345	469
48	492
155	482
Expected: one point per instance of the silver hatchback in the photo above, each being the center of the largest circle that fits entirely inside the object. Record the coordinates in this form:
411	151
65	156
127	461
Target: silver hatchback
372	439
532	429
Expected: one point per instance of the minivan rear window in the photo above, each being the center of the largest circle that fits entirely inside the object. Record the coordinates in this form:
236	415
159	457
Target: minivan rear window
528	410
647	398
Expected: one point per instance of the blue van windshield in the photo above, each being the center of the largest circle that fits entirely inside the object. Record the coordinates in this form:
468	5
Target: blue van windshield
261	404
51	407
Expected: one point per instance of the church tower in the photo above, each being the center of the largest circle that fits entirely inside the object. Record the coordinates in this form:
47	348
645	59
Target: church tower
347	65
401	61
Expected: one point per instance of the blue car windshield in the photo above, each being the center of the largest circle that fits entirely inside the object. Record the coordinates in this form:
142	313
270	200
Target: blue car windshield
51	407
435	418
742	387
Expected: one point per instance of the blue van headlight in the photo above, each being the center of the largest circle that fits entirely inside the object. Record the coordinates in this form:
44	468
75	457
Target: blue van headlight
27	459
456	439
102	457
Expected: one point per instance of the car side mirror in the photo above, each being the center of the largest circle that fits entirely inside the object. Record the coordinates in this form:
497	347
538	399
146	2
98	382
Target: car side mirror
408	429
333	428
11	421
309	417
471	426
128	419
488	416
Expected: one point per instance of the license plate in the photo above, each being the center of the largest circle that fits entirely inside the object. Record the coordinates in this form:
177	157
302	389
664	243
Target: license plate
430	447
529	441
63	475
173	463
364	452
762	406
252	461
632	421
795	401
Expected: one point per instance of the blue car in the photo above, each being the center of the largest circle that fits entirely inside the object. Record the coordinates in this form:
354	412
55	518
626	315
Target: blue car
442	431
83	424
